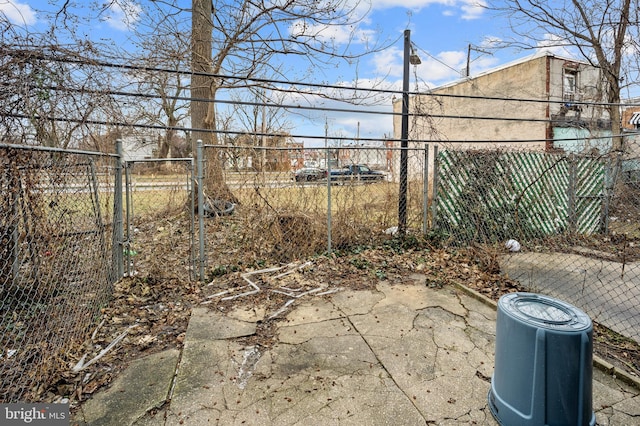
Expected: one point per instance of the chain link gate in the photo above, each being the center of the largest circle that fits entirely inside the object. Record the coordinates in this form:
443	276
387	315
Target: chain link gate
159	218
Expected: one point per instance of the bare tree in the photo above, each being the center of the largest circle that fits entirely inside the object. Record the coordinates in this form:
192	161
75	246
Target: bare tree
53	93
162	56
51	96
251	114
605	32
245	38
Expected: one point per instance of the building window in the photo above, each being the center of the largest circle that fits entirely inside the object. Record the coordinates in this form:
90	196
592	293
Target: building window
570	86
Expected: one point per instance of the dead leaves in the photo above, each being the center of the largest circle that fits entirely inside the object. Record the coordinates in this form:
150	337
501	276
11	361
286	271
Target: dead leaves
145	315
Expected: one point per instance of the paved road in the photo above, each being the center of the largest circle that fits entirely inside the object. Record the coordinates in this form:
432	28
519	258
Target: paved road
608	291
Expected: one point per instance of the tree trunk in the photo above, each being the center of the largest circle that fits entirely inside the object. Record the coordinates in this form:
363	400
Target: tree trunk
163	149
203	92
201	28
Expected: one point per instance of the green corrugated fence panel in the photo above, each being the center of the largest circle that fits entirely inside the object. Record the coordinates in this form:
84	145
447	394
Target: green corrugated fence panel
590	179
493	195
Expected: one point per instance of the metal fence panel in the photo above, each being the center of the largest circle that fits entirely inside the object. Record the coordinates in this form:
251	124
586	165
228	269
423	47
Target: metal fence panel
280	218
60	247
55	261
553	206
159	212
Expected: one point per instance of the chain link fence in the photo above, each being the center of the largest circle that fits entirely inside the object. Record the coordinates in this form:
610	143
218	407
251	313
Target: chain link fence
558	224
74	224
553	223
56	264
571	233
159	234
303	207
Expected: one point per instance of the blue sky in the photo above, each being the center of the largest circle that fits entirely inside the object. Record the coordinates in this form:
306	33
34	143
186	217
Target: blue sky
441	31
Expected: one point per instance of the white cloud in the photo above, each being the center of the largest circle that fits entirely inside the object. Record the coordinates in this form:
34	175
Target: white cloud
490	42
445	66
555	44
123	15
470	9
473	9
388	62
409	4
17	13
333	34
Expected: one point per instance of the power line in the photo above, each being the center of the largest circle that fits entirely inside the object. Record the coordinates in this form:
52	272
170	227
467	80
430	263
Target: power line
284	106
316	137
224	77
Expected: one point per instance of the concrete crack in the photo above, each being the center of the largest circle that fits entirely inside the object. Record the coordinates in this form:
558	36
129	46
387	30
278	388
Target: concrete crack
381	363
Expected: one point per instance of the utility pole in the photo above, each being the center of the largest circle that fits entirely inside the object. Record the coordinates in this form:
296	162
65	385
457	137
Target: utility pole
467	70
358	144
409	58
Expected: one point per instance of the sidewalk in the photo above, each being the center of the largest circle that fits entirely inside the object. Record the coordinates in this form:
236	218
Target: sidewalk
401	355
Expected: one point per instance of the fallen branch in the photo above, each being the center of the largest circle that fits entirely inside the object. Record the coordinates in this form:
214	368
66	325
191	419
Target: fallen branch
95	332
81	365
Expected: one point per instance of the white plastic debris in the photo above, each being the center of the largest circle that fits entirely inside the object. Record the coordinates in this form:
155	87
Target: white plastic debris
512	245
82	365
391	231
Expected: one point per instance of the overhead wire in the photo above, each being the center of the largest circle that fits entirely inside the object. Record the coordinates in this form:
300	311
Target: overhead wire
290	84
224	77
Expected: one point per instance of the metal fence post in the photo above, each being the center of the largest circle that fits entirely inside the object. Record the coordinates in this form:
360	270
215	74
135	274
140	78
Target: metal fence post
118	231
191	188
434	192
128	199
328	199
200	174
425	191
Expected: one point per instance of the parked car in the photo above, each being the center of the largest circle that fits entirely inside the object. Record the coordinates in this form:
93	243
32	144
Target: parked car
357	172
308	174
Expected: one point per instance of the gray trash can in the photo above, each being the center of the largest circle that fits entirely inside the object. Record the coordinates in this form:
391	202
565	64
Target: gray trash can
543	363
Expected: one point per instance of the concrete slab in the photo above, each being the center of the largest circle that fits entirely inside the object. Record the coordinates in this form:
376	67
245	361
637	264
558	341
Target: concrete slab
143	386
363	357
210	325
403	354
211	361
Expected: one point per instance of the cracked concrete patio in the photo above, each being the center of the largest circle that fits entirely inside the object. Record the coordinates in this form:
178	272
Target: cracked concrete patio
403	354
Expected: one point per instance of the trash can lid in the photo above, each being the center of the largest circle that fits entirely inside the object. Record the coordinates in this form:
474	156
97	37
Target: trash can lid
544	311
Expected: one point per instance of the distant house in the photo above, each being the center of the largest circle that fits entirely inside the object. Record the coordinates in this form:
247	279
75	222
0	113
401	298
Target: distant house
539	102
138	148
631	130
276	152
631	118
